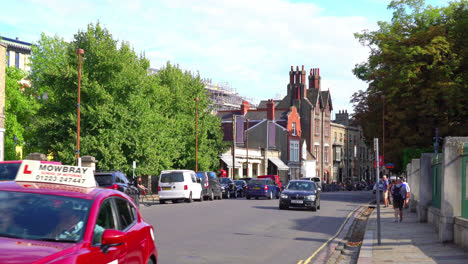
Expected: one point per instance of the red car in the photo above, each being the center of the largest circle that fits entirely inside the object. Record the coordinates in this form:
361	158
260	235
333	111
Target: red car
55	214
275	179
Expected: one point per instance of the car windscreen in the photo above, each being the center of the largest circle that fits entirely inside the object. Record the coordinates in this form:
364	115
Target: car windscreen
43	217
257	182
238	183
8	171
104	179
301	186
172	177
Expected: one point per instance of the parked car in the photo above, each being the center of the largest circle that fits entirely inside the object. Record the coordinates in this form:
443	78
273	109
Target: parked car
262	188
241	186
274	178
228	187
317	181
300	193
176	185
8	169
117	180
211	188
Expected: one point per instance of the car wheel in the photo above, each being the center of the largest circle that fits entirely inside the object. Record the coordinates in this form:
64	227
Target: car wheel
228	195
270	196
282	207
314	208
201	197
162	201
318	207
212	196
220	197
150	261
235	195
256	197
248	197
189	200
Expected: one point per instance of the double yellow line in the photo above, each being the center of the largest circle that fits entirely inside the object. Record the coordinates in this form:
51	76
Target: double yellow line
307	261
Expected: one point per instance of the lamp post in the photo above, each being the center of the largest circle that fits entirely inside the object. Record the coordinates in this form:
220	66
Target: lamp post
196	134
78	161
247	146
383	131
15	139
436	139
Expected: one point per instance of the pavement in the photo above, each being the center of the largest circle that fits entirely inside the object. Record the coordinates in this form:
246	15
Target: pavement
407	242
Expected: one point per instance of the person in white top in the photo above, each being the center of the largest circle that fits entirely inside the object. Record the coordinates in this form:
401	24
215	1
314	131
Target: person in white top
408	193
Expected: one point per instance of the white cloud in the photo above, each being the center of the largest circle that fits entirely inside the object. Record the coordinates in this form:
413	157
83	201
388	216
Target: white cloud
250	44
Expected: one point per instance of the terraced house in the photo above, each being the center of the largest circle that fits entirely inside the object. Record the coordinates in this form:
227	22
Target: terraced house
304	115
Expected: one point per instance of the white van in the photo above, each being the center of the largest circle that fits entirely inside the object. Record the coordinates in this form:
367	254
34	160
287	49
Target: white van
179	184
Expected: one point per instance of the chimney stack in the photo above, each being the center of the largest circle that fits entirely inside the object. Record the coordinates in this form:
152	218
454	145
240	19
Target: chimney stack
291	75
245	107
271	110
314	78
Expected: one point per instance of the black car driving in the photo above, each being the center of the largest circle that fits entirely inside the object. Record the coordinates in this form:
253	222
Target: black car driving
229	188
300	193
241	186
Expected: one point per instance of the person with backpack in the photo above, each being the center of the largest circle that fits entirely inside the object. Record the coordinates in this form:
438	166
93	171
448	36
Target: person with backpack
399	196
408	193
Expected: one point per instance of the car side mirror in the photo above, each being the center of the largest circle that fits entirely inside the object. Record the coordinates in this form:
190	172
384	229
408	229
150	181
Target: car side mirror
112	238
319	189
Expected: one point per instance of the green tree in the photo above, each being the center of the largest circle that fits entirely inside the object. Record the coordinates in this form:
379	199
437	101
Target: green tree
418	62
20	108
126	114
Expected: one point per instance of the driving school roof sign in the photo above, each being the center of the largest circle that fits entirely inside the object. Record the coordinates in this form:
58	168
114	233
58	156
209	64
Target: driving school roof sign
35	171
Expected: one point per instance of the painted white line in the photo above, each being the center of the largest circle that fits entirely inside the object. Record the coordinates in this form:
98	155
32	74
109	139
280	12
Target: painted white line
331	238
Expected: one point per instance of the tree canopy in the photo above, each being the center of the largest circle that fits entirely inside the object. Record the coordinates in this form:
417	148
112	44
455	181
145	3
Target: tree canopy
418	68
126	114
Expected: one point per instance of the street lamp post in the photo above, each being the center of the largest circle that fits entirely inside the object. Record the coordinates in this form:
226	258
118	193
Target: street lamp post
383	131
247	146
78	161
196	134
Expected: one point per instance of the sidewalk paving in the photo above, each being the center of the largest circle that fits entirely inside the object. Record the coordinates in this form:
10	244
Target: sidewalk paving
407	242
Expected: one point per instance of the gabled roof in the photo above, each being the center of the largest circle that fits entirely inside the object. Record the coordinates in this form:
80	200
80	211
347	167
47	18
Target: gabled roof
325	99
313	96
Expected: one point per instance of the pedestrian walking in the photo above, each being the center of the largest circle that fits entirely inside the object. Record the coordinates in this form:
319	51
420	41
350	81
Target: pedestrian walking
385	189
398	194
390	185
408	192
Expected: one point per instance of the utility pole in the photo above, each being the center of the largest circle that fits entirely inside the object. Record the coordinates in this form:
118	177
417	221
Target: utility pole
247	146
266	147
78	159
196	134
233	145
377	187
383	132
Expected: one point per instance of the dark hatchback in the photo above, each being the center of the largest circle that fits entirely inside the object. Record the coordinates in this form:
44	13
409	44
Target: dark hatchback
211	188
116	180
228	186
241	187
300	193
262	188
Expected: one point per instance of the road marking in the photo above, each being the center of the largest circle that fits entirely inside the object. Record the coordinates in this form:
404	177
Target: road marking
331	238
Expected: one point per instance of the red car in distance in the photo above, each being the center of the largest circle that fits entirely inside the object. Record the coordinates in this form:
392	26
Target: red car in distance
55	214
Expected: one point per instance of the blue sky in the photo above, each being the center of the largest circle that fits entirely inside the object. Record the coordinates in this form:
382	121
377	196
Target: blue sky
251	44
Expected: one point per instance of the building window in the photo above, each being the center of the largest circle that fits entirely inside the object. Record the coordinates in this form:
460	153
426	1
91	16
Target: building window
335	136
341	137
317	128
294	128
316	152
294	150
17	60
325	150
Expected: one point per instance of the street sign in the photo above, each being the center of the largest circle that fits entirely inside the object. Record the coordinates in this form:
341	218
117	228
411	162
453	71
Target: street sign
389	166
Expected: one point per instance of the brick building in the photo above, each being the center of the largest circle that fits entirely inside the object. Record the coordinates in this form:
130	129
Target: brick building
304	115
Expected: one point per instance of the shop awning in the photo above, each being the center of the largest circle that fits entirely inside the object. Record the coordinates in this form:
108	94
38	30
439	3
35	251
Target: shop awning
279	163
228	160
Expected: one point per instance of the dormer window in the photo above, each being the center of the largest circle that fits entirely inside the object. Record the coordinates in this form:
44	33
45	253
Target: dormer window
294	128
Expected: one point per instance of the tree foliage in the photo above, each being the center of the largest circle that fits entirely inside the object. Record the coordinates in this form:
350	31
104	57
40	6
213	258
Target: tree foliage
126	114
418	61
20	108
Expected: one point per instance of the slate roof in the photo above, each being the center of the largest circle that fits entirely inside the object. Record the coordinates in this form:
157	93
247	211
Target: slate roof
263	104
312	95
325	98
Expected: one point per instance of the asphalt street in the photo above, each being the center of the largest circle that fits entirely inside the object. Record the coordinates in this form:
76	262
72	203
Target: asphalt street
246	231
